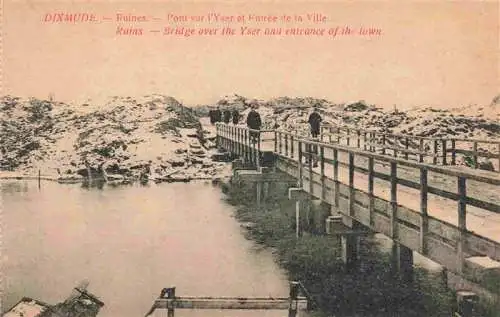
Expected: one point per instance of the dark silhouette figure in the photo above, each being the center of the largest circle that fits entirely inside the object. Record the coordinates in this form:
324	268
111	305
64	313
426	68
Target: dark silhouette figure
236	116
227	116
211	115
254	123
217	115
315	124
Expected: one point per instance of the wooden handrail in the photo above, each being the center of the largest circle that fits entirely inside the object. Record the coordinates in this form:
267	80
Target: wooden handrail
441	146
412	136
492	178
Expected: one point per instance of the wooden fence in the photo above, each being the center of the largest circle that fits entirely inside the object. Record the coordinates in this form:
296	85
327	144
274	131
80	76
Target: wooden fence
433	150
442	241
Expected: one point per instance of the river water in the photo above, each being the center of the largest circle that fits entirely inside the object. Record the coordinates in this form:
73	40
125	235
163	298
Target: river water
129	242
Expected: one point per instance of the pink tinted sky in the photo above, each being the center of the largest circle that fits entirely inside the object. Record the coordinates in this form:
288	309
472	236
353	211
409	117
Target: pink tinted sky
444	54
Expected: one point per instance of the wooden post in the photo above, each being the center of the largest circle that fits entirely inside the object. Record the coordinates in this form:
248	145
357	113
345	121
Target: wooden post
407	145
247	146
444	151
230	141
322	171
237	142
233	137
218	135
171	309
359	139
250	147
336	175
330	134
310	166
39	178
276	135
171	312
424	220
370	190
394	201
89	172
338	135
351	184
291	146
286	145
242	142
300	181
298	229
348	137
364	140
395	146
462	220
474	150
257	158
453	153
294	294
421	150
372	142
383	144
254	150
258	189
434	157
321	133
280	145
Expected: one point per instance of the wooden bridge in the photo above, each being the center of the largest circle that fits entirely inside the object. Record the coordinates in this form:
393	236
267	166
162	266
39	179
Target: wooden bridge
419	199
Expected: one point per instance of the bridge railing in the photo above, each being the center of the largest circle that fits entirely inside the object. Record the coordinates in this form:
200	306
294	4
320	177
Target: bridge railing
399	173
433	150
246	142
413	176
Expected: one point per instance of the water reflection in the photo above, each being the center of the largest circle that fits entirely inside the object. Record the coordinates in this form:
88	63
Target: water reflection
129	242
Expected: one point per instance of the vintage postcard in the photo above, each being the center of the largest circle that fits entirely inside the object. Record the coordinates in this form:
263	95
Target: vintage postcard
249	158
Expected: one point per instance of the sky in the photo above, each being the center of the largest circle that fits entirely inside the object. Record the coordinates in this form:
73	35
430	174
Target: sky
437	53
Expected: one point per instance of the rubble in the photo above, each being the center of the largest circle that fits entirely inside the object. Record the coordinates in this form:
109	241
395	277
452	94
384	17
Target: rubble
121	139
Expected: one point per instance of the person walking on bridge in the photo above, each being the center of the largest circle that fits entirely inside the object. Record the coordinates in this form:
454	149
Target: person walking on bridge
236	116
315	124
217	115
227	116
211	115
254	123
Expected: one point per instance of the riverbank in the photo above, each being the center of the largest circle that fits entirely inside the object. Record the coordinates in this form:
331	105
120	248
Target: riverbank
176	176
370	290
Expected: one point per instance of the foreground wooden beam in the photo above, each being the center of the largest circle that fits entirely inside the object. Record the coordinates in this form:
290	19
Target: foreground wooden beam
169	302
228	303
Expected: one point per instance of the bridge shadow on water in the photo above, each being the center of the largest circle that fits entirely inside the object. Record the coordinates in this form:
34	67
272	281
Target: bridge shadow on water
369	289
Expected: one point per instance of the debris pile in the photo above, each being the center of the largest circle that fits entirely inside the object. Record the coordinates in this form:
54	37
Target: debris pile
153	137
